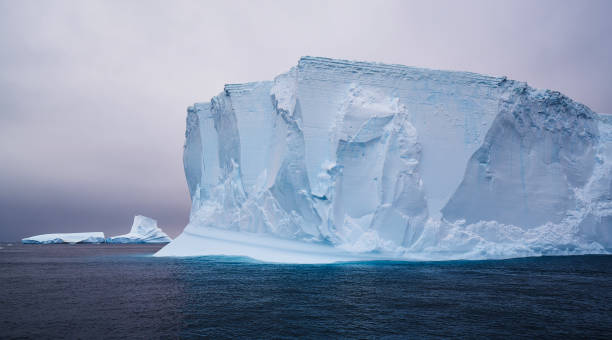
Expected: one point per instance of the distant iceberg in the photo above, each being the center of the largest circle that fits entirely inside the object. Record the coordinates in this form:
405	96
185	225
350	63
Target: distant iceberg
93	237
337	160
144	230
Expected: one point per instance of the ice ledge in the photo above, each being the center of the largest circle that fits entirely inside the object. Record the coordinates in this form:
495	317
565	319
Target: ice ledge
406	72
204	241
240	88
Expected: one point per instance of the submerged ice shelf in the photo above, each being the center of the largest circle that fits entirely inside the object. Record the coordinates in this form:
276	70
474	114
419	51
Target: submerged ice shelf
337	160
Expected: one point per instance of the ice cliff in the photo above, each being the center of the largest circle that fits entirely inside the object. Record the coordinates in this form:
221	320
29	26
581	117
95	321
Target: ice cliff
144	230
94	237
340	160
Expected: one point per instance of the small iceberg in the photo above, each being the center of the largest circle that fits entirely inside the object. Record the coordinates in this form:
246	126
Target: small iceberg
144	230
93	237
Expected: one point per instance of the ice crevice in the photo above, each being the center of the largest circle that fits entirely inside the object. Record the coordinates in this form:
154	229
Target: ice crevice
337	160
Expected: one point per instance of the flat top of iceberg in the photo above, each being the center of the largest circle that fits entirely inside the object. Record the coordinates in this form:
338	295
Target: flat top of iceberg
395	69
93	237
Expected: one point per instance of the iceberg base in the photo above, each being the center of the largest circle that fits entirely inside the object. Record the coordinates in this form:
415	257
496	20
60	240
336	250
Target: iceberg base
204	241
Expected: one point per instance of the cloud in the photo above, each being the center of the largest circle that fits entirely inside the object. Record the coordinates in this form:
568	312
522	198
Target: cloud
93	94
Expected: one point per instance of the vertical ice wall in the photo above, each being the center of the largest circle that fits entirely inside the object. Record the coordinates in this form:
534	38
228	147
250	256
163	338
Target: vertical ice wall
596	197
255	124
452	111
193	149
540	149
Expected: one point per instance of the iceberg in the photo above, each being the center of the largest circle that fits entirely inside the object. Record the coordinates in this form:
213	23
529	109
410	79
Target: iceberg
337	160
73	238
144	230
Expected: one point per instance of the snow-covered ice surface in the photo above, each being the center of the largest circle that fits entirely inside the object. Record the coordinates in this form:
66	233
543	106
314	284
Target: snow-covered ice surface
94	237
338	160
144	230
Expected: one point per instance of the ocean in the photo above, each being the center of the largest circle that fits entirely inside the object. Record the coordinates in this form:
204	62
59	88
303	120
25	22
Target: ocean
121	291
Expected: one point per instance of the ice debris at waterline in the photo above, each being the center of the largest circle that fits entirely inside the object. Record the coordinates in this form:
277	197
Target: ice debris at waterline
93	237
339	160
144	230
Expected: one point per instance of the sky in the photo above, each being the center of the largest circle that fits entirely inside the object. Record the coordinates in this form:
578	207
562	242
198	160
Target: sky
93	94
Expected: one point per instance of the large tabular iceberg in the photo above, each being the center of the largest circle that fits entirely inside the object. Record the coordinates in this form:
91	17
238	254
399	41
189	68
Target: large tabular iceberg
339	160
95	237
144	230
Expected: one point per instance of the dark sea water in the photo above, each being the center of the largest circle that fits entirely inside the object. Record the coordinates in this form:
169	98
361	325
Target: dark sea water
120	291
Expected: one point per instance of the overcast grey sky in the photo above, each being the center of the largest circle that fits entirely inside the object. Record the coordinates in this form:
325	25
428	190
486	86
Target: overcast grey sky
93	93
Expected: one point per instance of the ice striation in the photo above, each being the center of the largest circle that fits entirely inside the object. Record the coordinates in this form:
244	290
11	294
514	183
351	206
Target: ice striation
144	230
73	238
338	160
